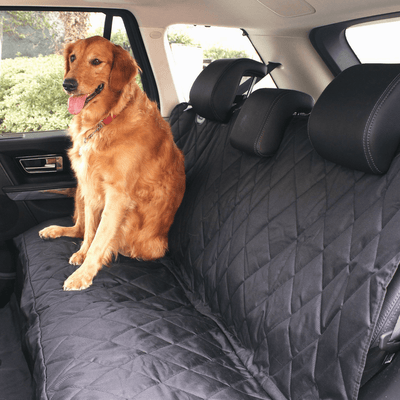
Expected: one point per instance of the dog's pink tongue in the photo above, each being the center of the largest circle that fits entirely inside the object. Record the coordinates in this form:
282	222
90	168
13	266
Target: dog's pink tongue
76	103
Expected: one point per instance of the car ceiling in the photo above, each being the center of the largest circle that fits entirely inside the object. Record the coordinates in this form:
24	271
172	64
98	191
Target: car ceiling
272	17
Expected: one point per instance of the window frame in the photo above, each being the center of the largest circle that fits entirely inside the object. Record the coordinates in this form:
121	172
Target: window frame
132	30
331	44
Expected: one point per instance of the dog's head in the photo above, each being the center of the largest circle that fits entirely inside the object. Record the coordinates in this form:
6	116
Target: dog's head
93	66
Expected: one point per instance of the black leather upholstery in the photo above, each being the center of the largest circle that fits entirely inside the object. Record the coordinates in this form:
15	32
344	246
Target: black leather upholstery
356	121
214	90
263	119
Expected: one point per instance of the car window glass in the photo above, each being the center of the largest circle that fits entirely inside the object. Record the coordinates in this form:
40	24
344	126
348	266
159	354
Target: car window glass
120	37
32	65
193	47
375	42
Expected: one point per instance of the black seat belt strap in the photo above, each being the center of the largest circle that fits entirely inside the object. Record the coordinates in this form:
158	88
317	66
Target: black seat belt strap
390	341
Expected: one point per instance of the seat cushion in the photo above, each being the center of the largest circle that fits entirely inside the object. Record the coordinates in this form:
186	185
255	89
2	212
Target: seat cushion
15	377
132	335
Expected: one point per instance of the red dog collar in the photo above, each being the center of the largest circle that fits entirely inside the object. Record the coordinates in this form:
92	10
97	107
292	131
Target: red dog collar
109	119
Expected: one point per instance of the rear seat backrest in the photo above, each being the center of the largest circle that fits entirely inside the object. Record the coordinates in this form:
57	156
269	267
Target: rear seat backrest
292	252
364	134
210	110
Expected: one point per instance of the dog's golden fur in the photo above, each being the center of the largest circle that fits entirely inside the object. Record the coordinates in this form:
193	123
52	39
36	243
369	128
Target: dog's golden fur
130	173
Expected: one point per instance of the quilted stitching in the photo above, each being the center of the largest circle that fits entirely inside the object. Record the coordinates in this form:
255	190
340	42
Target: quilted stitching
293	253
13	367
132	335
288	256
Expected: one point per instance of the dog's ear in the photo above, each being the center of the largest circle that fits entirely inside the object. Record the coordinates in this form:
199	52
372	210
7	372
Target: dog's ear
124	69
67	52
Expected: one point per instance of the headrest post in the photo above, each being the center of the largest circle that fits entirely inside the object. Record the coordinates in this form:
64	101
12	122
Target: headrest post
253	82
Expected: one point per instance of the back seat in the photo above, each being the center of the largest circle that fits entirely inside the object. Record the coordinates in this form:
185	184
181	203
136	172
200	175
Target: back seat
279	256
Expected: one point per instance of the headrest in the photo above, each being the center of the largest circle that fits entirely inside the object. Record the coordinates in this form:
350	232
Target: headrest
213	92
262	120
356	120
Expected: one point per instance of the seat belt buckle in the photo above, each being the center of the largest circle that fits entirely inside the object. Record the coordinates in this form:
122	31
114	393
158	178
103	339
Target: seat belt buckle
388	345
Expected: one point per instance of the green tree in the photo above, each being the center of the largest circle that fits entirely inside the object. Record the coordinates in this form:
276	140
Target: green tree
12	21
180	37
76	25
29	31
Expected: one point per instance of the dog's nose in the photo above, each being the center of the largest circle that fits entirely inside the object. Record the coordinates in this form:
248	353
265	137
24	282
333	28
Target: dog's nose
70	85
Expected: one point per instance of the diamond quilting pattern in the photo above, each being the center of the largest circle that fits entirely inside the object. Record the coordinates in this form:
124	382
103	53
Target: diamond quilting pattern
293	252
289	256
132	335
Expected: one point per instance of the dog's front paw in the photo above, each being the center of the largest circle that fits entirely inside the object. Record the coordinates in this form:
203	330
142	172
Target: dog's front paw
79	280
51	232
77	258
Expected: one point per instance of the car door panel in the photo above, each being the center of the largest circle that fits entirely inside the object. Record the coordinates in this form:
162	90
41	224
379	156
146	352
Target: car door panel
36	181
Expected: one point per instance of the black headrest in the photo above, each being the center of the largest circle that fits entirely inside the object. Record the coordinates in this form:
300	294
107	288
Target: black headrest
214	91
356	120
262	120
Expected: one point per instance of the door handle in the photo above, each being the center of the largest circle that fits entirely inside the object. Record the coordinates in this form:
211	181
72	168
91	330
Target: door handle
42	164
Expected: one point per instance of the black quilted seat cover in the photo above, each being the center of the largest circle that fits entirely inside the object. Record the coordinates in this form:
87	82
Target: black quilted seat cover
132	335
292	252
283	264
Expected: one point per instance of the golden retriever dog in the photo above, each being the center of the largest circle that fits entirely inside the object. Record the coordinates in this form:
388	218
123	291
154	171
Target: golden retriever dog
130	173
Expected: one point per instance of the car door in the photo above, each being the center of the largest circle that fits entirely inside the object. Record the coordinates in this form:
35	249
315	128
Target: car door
36	180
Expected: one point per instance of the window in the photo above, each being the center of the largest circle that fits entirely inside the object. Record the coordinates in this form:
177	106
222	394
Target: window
32	65
193	47
376	42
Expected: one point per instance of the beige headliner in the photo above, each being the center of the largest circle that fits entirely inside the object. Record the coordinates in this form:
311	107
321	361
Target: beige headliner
256	15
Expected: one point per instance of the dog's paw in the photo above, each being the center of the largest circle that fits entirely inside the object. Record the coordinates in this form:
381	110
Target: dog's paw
79	280
51	232
77	258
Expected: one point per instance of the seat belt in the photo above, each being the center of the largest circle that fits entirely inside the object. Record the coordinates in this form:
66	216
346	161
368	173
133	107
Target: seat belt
390	342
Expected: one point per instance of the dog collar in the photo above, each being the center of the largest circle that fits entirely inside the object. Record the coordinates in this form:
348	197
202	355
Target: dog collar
105	121
108	120
101	124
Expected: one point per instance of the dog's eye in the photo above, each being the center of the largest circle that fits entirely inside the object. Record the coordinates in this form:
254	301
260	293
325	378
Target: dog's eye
72	58
96	61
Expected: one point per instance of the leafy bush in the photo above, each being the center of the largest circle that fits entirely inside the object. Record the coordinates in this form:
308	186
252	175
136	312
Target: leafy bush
215	53
31	94
181	37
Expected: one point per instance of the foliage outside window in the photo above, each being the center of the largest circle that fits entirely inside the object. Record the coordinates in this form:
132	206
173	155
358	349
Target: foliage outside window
32	65
194	47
